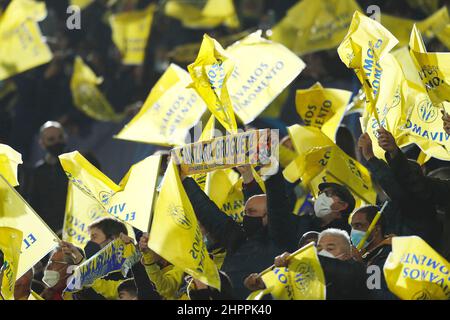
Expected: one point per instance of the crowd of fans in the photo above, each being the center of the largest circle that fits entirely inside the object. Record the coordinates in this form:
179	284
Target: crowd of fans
418	196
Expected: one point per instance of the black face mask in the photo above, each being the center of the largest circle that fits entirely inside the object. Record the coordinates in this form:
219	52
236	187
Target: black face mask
91	249
202	294
252	225
56	149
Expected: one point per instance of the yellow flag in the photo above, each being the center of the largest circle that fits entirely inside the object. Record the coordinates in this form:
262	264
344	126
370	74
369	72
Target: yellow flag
9	160
169	112
322	108
38	238
22	46
81	3
210	73
362	49
314	25
259	294
87	97
319	156
303	279
401	27
81	211
131	201
203	13
392	104
175	234
423	124
130	32
433	68
414	271
444	36
263	70
10	244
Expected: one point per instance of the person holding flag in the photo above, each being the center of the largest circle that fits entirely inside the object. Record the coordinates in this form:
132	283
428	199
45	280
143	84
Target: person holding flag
377	246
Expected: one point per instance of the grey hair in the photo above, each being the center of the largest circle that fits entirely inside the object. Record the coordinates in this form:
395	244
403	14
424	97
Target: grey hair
335	233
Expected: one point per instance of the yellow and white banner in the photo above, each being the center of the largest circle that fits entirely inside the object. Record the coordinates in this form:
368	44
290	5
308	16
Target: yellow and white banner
130	32
9	161
38	238
10	244
171	109
322	108
131	201
414	271
22	45
263	69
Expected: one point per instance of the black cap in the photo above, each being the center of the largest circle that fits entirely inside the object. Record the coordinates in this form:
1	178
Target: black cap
343	193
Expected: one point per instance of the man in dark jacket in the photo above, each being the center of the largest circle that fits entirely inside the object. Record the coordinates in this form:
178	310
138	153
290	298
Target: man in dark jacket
46	191
249	247
332	209
410	212
375	250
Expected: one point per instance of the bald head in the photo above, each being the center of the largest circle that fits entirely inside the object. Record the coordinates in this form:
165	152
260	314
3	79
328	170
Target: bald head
256	206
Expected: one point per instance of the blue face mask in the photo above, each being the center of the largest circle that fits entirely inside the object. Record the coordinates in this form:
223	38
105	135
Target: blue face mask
356	236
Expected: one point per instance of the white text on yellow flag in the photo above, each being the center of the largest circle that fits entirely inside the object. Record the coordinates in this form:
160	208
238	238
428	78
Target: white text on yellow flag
175	234
81	211
130	32
322	108
9	160
362	49
169	112
433	69
131	201
423	124
10	244
263	70
22	47
210	73
38	239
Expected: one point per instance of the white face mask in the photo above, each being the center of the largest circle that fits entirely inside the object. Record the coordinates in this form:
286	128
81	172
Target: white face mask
322	206
328	254
51	278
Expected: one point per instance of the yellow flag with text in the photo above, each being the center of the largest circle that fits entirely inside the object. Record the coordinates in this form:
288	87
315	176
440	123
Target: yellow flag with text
415	271
10	244
303	279
203	13
175	234
38	238
263	70
131	201
433	69
322	108
22	46
314	25
130	32
362	50
210	73
169	112
207	134
423	124
87	97
9	161
81	211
